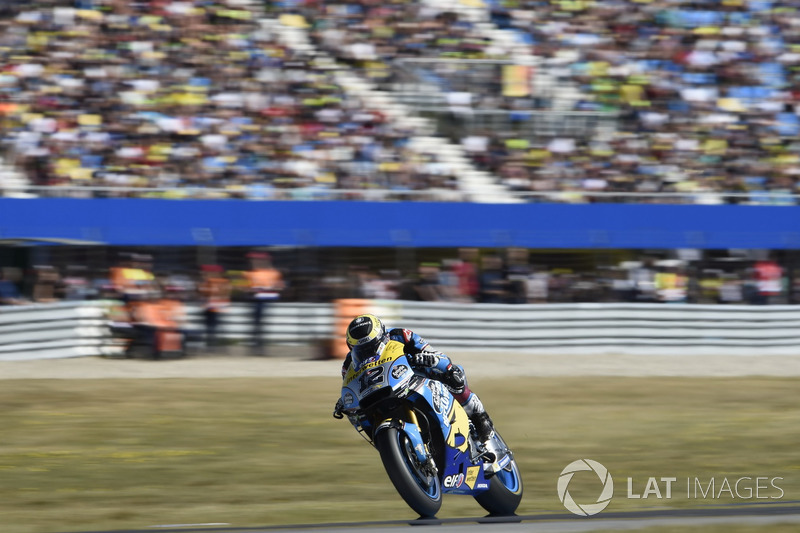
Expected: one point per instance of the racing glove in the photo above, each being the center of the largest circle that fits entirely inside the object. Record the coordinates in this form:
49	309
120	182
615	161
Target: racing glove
424	359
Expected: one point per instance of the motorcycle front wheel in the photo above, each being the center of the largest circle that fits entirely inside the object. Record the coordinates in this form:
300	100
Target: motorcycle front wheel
420	490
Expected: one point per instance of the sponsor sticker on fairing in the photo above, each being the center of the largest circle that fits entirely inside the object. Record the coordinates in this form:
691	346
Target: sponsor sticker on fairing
472	476
398	371
439	396
348	399
454	481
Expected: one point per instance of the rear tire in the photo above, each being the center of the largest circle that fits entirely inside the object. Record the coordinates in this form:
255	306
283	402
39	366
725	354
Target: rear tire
505	490
422	493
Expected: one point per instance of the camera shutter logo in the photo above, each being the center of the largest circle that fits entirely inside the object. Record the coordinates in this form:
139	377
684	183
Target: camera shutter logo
588	509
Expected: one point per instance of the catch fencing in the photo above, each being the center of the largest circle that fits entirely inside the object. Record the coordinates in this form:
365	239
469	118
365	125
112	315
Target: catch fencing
55	330
78	329
607	327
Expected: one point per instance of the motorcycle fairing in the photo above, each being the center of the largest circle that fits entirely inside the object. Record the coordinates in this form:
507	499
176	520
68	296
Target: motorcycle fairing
375	373
465	476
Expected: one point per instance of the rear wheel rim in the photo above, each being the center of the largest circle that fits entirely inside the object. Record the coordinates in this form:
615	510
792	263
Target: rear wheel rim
509	477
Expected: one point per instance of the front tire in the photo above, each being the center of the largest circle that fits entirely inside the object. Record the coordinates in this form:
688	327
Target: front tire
505	489
422	492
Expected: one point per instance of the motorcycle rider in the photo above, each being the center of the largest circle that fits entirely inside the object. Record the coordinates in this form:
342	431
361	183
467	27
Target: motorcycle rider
365	335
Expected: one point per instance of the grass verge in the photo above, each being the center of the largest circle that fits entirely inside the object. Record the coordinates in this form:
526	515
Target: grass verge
115	454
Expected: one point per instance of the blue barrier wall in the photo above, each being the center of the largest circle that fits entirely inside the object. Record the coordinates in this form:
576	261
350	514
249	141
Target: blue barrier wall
252	223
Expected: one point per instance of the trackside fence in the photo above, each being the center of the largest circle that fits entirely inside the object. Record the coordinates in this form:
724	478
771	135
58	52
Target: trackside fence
608	327
79	329
56	330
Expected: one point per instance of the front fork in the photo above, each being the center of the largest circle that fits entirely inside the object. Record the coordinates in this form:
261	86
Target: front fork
410	427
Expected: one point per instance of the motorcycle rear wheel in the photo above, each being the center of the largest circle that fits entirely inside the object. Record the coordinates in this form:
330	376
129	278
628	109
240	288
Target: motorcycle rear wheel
505	489
422	492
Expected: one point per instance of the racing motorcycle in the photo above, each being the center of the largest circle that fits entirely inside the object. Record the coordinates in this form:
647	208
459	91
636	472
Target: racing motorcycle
426	441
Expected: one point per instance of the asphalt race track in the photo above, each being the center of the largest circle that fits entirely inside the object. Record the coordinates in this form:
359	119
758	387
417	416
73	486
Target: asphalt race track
757	515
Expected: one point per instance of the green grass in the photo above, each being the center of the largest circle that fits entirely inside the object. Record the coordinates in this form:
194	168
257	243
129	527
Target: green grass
115	454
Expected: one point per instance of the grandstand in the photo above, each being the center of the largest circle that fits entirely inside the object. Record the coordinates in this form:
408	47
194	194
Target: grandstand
683	101
178	100
446	100
377	110
458	102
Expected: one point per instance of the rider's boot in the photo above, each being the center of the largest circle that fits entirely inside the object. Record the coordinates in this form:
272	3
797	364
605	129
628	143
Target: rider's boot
456	382
483	426
494	453
480	418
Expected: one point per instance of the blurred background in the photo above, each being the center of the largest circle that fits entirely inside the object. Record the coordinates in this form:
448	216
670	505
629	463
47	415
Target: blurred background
518	177
352	142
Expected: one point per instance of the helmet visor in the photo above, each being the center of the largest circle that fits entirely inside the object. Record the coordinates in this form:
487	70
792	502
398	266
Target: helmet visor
362	352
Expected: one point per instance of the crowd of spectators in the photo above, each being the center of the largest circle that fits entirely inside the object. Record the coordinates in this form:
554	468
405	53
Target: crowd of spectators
514	277
372	36
193	98
381	41
466	275
706	92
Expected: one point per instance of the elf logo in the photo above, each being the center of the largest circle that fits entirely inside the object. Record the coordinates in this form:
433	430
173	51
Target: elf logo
454	481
